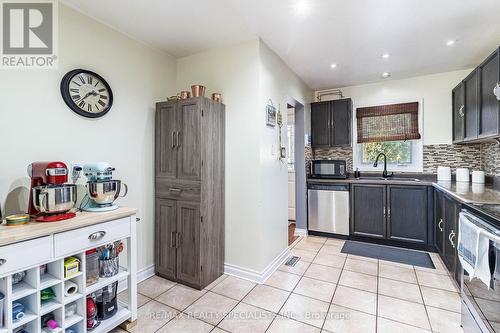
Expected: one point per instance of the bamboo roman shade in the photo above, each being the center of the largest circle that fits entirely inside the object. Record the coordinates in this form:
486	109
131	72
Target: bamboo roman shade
395	122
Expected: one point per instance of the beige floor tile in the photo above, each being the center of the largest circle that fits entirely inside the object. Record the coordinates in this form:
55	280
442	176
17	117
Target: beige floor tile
308	245
118	330
153	315
490	309
218	330
305	309
315	239
335	241
234	287
141	299
352	256
361	266
443	321
180	297
283	324
154	286
217	281
403	311
211	308
439	268
394	263
267	298
400	289
331	260
247	319
283	280
358	281
442	299
299	268
344	320
186	324
397	273
315	288
324	273
390	326
355	299
333	249
435	281
304	255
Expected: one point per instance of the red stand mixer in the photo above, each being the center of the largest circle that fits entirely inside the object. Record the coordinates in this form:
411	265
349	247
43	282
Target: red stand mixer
51	199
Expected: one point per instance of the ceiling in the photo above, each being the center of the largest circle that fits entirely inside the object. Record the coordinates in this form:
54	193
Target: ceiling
310	35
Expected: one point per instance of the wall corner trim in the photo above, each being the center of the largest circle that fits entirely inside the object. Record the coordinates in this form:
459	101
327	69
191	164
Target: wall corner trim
301	232
256	276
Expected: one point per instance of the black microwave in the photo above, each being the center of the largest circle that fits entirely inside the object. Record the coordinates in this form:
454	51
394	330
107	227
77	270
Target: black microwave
336	169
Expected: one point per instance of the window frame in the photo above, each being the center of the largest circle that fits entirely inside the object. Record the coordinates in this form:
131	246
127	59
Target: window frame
417	146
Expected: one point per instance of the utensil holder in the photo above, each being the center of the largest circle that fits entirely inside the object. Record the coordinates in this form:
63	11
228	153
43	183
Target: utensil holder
109	267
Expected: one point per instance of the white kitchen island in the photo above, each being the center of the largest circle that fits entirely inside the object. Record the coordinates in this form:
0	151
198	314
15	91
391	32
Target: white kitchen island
27	247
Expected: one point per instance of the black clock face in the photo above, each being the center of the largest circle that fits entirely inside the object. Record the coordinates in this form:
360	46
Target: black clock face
86	93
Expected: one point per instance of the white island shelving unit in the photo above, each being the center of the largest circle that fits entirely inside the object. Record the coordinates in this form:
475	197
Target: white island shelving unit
26	248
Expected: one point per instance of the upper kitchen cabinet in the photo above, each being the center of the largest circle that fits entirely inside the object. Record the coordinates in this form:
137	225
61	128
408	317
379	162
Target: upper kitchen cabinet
331	123
489	106
476	110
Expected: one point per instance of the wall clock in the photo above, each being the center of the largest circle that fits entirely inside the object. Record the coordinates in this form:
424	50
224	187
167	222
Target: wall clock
86	93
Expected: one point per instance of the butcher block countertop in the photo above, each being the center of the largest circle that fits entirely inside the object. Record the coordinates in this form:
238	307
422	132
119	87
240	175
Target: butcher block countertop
31	230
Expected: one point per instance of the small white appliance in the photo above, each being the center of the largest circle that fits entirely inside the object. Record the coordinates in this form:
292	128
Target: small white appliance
478	177
444	174
463	175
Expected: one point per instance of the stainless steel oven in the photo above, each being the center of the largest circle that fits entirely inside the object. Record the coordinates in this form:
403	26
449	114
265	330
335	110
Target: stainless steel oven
481	303
329	169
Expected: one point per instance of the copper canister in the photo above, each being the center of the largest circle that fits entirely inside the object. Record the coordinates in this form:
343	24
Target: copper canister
217	97
198	90
184	94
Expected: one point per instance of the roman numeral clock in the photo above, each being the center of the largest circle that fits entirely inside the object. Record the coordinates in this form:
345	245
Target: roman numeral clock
86	93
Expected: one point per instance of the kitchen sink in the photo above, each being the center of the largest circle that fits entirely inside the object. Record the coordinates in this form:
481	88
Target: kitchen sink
395	179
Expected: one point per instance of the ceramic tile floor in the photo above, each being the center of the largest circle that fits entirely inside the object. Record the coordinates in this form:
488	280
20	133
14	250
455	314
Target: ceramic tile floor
326	291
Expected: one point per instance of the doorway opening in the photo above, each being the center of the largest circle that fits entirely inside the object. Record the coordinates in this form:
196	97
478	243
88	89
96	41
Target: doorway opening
290	131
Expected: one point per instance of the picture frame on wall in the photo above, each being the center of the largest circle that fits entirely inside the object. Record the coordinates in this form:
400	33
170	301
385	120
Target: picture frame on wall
270	115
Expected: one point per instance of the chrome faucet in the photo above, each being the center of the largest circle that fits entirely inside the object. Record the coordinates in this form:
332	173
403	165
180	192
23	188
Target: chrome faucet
385	174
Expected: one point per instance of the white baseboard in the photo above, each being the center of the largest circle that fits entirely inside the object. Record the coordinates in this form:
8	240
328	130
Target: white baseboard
301	232
256	276
142	275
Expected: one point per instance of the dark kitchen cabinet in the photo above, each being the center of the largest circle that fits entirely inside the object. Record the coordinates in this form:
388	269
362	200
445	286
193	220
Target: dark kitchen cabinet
396	213
489	106
476	110
369	210
189	191
439	222
407	213
331	123
458	107
451	211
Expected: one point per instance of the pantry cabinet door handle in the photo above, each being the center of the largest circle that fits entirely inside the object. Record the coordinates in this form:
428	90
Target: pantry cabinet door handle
178	142
177	240
2	261
173	139
440	225
175	190
172	240
97	235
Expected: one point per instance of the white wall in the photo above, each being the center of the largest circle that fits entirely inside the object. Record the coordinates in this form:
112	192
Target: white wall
434	90
37	125
248	75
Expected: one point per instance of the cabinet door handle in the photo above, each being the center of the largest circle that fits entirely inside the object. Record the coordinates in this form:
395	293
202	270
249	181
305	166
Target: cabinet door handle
440	225
173	139
461	111
389	212
175	190
172	240
178	141
2	261
97	235
177	240
452	235
384	212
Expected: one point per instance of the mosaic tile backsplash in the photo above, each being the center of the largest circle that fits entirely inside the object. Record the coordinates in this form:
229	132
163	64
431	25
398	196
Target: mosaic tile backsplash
484	156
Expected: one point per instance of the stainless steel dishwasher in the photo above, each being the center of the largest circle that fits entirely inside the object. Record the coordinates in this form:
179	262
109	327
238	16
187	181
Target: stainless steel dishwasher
328	208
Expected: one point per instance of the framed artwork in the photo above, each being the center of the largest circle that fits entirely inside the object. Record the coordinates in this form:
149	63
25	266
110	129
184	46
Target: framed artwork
270	115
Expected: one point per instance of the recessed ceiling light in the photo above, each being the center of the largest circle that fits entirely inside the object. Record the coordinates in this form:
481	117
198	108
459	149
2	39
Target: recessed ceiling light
302	7
385	75
386	55
333	65
451	42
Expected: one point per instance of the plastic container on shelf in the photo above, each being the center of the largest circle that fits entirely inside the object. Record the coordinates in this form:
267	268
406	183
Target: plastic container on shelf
106	301
92	266
109	267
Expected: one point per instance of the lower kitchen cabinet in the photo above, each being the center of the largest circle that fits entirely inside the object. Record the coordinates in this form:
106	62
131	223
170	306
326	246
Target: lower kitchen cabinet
166	226
396	213
407	213
368	210
439	222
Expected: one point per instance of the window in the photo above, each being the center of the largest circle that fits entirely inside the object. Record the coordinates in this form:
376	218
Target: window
390	129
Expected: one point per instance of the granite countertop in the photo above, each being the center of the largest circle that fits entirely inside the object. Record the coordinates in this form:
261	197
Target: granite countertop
470	193
31	230
374	178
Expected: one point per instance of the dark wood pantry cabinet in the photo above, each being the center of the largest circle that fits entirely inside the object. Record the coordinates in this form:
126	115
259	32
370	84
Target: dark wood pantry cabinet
331	123
189	191
395	213
476	110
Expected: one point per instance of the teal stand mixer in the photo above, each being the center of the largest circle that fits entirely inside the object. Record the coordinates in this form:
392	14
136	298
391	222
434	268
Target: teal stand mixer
102	189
